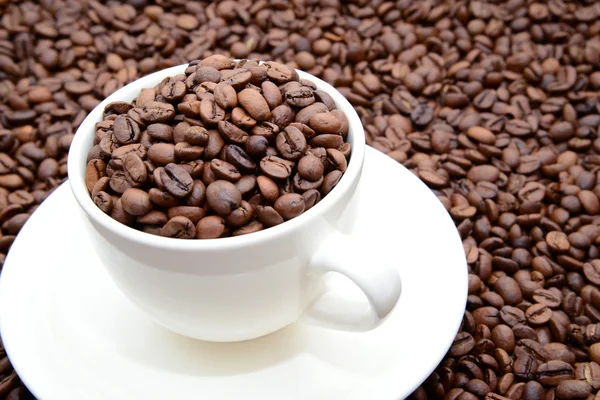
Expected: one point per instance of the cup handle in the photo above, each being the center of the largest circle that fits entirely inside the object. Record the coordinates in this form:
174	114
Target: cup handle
371	269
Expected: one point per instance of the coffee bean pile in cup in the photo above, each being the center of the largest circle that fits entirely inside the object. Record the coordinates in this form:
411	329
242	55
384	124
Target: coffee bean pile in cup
226	149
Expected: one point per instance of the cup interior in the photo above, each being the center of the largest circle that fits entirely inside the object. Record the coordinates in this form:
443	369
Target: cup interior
83	142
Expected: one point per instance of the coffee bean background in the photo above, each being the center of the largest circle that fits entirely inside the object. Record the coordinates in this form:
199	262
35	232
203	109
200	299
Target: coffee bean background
494	105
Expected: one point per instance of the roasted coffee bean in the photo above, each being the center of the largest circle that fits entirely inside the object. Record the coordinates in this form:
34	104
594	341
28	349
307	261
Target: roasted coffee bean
136	202
275	167
225	95
291	143
95	170
179	227
176	180
157	112
553	372
126	130
135	170
255	104
223	197
268	216
289	205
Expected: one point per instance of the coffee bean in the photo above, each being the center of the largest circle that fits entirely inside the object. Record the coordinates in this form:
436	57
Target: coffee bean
95	170
291	143
179	227
135	170
176	180
136	202
591	271
558	241
301	96
125	130
223	197
573	389
275	167
553	372
224	170
509	290
289	205
225	95
325	123
525	367
538	314
268	216
157	112
271	94
254	104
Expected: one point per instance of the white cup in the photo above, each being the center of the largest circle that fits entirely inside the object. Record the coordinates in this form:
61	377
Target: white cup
240	288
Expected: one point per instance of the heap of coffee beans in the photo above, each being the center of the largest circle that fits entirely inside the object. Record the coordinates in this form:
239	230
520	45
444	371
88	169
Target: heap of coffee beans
493	104
228	148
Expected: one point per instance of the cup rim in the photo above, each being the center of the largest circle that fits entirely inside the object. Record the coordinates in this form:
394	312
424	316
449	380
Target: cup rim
80	147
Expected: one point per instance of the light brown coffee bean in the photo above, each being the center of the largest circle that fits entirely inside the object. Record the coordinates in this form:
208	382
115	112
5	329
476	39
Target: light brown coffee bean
254	104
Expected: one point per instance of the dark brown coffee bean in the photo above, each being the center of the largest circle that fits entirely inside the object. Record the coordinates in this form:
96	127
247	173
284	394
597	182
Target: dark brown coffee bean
462	345
256	146
538	314
553	372
239	158
119	214
176	180
304	115
325	123
231	133
525	367
268	188
591	271
328	141
310	168
242	119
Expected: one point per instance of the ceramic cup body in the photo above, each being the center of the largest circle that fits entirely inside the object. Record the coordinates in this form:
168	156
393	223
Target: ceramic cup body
236	288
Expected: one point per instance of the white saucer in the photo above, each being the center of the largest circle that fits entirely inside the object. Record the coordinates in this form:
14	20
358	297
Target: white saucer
70	334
